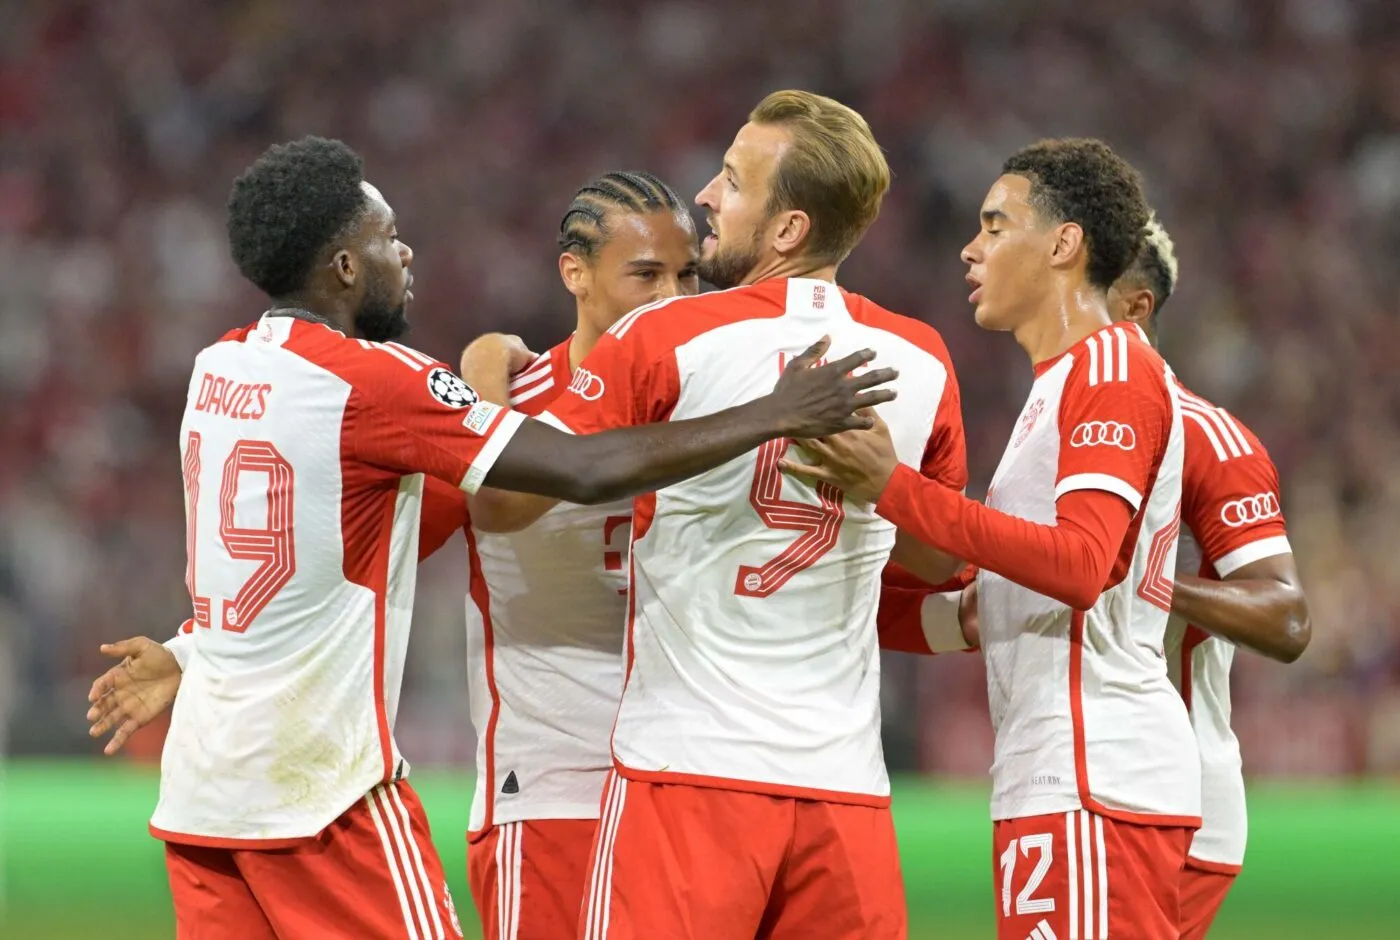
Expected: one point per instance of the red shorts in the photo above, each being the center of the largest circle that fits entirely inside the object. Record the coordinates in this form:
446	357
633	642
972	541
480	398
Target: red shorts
1078	875
527	877
373	873
676	861
1202	892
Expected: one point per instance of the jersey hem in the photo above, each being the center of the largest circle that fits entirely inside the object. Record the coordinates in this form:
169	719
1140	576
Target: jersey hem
564	812
1216	868
783	790
226	842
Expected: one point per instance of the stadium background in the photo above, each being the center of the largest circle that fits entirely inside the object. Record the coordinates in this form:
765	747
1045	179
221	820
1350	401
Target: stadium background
1269	135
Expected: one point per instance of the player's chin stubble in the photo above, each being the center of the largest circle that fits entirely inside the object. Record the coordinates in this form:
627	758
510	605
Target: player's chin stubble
380	318
728	268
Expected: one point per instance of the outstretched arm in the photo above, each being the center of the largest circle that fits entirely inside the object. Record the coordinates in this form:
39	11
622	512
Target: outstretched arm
595	468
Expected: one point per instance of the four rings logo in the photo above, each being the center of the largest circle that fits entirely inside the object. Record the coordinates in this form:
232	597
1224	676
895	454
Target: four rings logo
1249	510
586	385
1103	434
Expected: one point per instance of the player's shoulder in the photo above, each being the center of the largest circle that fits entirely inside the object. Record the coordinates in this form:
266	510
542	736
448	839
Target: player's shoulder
916	332
1118	356
543	380
1214	436
677	320
372	368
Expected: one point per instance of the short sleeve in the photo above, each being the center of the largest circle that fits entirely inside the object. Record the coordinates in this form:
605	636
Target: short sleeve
429	421
945	458
444	514
1232	507
1115	419
624	381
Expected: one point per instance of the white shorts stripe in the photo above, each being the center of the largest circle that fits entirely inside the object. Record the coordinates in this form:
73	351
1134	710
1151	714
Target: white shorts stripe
517	858
412	883
429	894
1072	858
1103	878
390	857
1086	853
502	902
600	900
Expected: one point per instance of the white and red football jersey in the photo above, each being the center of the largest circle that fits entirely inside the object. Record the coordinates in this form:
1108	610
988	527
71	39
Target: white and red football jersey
304	460
1085	714
545	620
1230	509
752	659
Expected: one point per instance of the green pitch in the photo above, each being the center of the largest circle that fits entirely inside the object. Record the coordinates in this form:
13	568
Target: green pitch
1324	861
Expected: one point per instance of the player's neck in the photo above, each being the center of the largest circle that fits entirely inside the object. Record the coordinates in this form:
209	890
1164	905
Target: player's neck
790	267
315	310
1065	320
586	336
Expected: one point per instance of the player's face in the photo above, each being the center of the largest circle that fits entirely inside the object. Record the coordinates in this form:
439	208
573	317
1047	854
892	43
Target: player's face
385	265
647	258
736	206
1007	263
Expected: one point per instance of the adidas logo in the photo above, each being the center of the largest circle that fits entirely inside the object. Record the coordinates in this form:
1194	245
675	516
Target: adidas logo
1042	931
513	786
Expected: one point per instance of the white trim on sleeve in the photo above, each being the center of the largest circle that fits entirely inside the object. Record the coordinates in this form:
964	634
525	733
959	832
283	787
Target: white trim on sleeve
181	646
506	426
1099	481
1231	562
549	418
939	618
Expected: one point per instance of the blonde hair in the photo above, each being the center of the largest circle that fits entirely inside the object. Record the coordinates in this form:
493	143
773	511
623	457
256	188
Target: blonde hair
834	171
1157	244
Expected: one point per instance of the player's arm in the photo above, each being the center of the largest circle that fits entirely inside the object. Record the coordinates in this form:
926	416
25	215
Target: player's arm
1260	606
1100	491
637	457
915	618
1232	508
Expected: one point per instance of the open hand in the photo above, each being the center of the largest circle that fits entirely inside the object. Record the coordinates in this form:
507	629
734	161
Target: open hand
814	401
132	693
857	462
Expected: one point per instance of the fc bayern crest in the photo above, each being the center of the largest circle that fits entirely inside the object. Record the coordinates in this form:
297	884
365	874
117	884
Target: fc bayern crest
450	389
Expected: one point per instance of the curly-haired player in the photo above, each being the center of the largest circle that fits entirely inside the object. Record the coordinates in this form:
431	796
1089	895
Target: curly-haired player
306	440
1096	781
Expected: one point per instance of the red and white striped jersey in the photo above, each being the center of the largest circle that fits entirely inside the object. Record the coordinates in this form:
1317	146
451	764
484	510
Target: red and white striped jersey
304	462
1230	507
752	658
1085	714
545	621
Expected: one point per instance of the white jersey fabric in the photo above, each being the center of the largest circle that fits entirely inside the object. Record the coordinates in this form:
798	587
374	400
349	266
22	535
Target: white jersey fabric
304	454
752	658
545	622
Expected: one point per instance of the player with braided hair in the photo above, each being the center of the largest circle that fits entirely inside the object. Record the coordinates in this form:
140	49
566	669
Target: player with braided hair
548	604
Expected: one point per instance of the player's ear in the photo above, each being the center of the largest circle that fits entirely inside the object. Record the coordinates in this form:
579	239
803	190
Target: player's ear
1068	245
1141	303
575	273
791	230
345	266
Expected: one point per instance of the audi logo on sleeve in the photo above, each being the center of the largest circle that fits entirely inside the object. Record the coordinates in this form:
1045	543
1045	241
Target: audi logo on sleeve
586	385
1249	510
1103	434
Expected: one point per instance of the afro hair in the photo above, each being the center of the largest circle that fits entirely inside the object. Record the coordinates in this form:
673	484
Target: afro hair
288	206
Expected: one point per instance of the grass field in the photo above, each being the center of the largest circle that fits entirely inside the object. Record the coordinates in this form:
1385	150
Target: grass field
1324	861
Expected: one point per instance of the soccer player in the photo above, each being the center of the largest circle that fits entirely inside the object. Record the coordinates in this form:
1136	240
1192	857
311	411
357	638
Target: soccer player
749	795
1236	585
548	605
306	439
1096	780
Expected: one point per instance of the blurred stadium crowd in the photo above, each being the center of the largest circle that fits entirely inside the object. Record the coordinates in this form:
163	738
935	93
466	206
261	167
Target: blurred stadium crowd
1268	132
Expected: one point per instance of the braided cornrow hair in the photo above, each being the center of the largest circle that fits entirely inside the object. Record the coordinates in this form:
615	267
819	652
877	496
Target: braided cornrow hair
584	230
